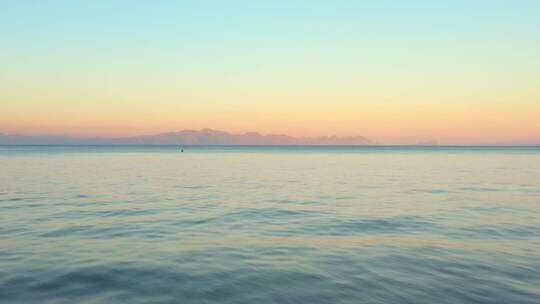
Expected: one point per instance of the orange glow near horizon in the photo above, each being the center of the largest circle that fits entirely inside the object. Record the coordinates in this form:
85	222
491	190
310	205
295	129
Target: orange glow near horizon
454	124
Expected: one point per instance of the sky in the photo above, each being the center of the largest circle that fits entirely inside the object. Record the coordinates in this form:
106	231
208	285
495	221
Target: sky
397	72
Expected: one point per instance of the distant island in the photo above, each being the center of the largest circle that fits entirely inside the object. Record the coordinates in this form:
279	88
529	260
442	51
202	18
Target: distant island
186	137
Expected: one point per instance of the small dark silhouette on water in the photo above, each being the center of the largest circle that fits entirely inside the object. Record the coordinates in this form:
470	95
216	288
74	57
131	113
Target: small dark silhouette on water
181	150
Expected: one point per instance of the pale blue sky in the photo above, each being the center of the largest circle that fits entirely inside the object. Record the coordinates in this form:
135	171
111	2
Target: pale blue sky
284	57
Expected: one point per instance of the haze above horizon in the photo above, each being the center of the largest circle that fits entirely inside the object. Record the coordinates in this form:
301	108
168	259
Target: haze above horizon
459	72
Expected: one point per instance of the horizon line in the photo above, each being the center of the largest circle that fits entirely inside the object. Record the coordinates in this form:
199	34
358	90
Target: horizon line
429	141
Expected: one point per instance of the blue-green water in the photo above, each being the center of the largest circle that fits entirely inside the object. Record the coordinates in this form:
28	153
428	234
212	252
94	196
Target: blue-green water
269	225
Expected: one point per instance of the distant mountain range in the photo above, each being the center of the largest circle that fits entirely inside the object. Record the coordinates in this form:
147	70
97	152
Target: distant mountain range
186	137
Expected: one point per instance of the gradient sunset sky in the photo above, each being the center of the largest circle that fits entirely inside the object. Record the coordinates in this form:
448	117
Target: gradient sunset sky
460	72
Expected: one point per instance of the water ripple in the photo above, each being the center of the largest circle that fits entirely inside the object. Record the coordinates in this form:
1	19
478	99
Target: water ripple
249	225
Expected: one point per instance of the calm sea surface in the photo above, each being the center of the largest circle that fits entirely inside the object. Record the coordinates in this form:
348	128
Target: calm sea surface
269	225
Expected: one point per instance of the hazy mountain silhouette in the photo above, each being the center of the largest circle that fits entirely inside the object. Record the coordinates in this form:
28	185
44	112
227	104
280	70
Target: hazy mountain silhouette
186	137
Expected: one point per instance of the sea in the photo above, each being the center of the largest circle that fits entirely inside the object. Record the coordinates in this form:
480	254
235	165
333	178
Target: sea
280	224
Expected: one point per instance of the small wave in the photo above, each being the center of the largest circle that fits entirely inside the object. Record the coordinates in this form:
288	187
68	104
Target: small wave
103	232
15	199
271	213
429	191
193	187
346	227
479	189
514	231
